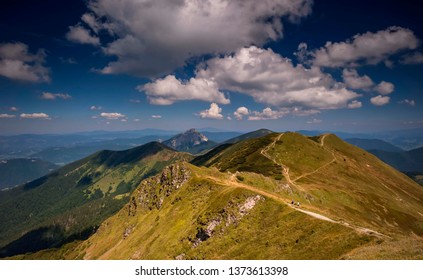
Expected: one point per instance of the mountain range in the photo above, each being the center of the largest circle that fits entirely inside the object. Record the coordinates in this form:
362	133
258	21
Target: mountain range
233	202
71	202
15	172
410	162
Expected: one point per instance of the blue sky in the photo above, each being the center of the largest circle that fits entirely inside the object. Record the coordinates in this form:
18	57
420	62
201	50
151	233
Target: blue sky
68	66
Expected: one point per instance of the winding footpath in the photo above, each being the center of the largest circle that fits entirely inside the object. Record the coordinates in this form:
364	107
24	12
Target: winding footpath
233	183
322	144
285	172
285	169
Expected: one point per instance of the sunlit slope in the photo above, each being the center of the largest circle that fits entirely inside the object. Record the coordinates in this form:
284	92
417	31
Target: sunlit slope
242	156
358	187
72	202
331	177
197	213
236	204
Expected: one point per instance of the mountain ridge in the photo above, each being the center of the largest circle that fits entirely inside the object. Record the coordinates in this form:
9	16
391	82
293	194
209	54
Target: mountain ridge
71	202
236	204
14	172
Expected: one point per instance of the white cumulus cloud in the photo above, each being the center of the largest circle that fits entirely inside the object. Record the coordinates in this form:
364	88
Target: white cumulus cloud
54	96
35	116
314	121
380	100
214	112
7	116
268	114
241	112
354	81
355	104
17	63
385	87
272	79
409	102
169	90
153	37
95	108
82	35
156	116
112	116
412	58
367	48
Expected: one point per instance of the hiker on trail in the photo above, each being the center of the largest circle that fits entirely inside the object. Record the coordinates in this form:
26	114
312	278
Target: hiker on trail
298	204
292	202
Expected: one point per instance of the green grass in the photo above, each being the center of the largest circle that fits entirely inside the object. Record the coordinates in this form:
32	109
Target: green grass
403	249
335	179
76	198
299	153
242	156
271	230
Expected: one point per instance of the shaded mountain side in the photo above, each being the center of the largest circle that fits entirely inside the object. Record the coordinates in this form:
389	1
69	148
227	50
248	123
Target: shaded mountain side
70	153
250	135
417	155
190	141
373	144
207	158
219	137
237	205
416	176
405	139
75	199
409	162
406	161
242	156
26	145
202	160
402	161
21	170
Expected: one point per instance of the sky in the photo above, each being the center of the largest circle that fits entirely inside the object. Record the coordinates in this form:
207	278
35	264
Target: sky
70	66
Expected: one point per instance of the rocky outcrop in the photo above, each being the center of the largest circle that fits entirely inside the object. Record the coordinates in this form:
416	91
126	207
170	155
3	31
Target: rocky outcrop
128	230
231	214
152	192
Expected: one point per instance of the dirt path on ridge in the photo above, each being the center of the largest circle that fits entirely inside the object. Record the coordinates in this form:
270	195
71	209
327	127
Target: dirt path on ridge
322	144
285	172
232	183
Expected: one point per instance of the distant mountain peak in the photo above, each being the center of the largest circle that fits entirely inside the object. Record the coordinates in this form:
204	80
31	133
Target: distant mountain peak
191	138
196	134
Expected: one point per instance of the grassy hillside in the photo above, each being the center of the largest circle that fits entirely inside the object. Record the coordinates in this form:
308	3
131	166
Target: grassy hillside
72	202
331	177
211	216
236	204
242	156
373	144
250	135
